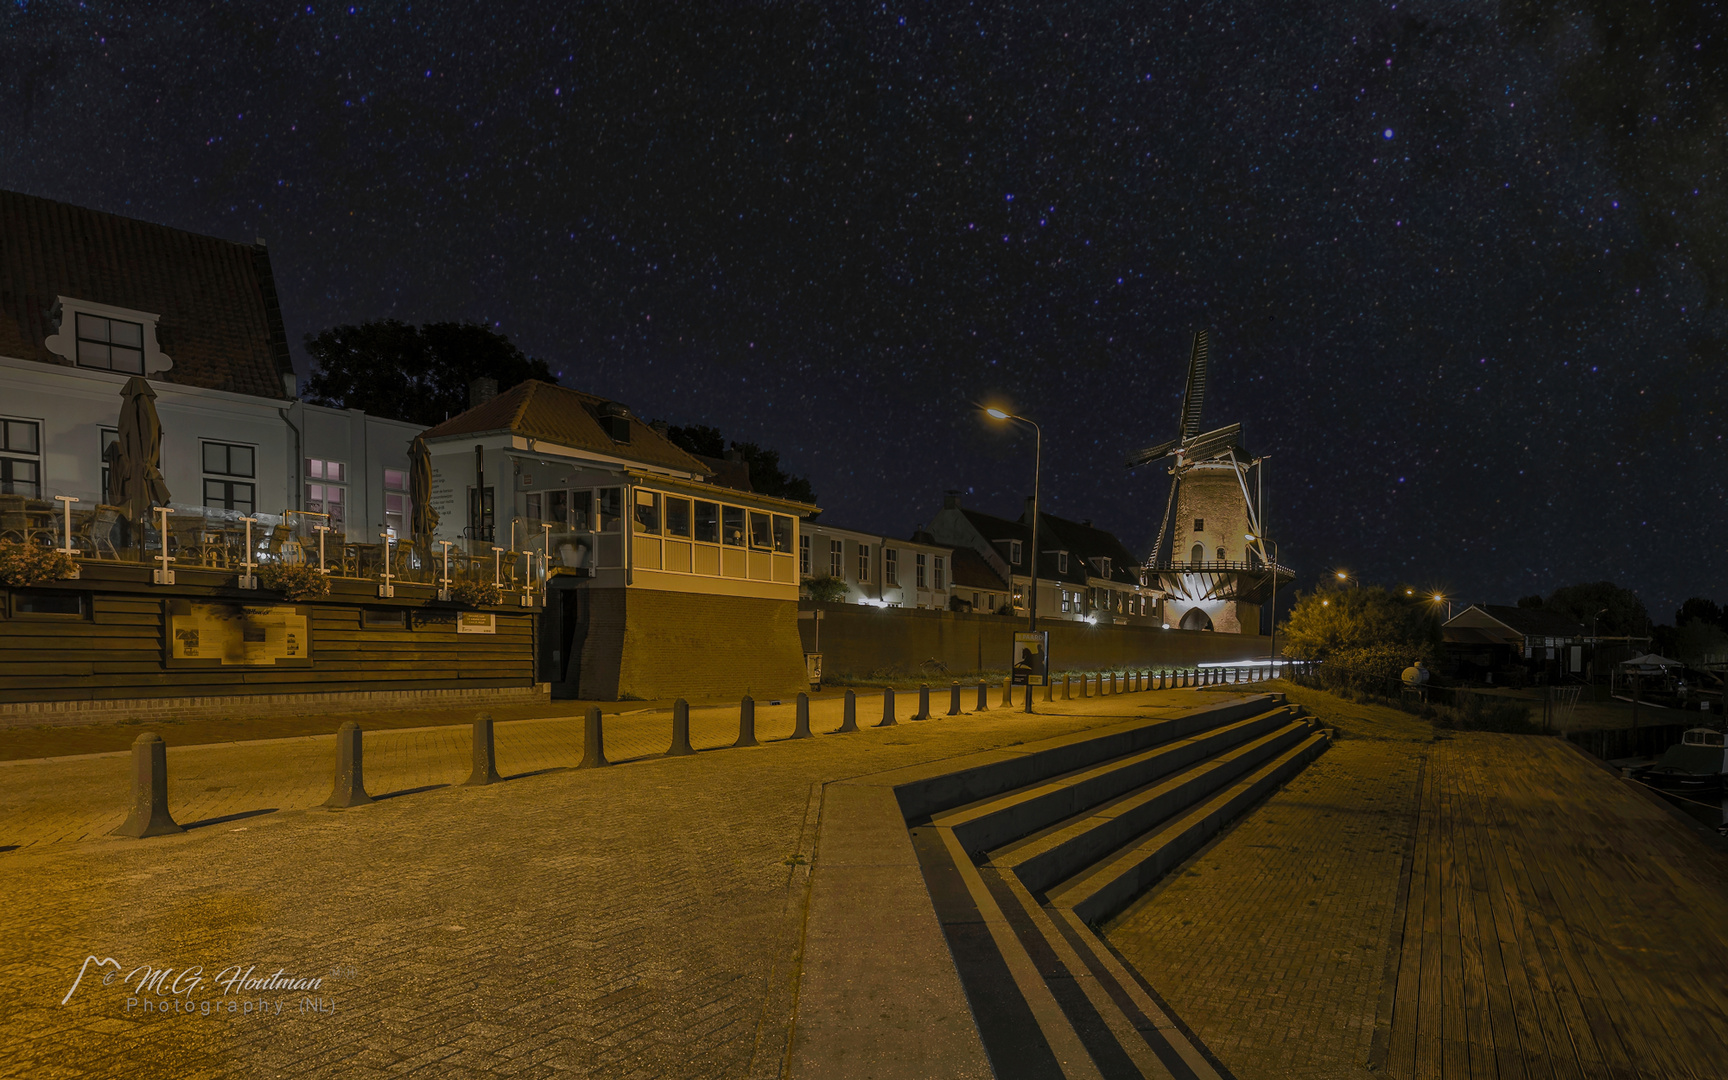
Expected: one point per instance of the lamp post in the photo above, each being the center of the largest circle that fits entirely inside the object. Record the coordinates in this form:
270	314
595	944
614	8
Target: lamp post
1447	600
1037	471
1272	646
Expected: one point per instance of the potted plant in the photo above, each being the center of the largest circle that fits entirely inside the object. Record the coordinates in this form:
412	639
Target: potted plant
476	593
295	581
31	564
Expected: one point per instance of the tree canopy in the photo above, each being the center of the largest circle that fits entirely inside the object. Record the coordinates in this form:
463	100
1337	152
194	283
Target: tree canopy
766	475
1624	614
417	374
1364	626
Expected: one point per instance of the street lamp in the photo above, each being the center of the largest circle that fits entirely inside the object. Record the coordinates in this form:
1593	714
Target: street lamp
1272	646
1037	469
1447	600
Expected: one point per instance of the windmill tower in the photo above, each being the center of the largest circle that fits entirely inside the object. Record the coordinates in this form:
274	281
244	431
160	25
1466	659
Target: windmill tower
1214	578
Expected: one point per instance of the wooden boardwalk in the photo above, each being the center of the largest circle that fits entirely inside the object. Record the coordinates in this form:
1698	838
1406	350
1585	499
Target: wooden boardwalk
1557	925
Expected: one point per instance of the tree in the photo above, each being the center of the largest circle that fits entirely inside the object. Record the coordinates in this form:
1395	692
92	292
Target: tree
1530	601
1697	642
1624	615
1699	609
1339	625
766	475
417	374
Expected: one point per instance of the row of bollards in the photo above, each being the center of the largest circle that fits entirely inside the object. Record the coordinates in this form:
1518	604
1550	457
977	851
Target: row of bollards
149	814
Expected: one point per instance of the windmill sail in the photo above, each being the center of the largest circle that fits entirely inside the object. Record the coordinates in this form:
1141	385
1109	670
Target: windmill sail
1195	394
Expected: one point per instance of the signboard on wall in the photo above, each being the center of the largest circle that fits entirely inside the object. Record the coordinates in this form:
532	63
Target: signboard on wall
1031	660
244	635
476	622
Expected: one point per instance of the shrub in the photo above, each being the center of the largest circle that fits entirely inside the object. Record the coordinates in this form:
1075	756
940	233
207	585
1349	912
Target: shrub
1485	712
30	564
826	589
295	581
476	593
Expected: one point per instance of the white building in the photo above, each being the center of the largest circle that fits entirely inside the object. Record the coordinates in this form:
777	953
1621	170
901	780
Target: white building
89	300
878	570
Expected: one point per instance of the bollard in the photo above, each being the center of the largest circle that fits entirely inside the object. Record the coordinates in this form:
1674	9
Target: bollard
983	696
485	754
593	741
149	816
746	723
1085	685
954	700
1008	690
1049	690
801	729
923	702
680	730
350	787
887	708
1067	687
1104	684
849	713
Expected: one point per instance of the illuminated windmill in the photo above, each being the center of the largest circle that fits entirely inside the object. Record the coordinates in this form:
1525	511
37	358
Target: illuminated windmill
1215	578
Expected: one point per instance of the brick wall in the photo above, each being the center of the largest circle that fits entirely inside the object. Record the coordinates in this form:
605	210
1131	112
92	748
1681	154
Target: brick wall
694	646
858	640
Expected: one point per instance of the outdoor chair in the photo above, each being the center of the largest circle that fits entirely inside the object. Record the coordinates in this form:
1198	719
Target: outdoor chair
187	534
97	531
14	522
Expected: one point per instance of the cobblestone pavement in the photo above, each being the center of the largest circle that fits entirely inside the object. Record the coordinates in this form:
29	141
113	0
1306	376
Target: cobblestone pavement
1555	922
1271	943
636	921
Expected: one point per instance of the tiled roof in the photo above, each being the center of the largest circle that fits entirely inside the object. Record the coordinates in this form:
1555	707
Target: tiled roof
1535	622
565	417
1086	542
967	569
219	320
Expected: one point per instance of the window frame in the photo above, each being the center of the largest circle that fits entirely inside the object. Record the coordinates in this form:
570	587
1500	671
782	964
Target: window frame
687	530
836	558
709	524
863	564
10	458
804	554
229	479
921	569
939	572
79	340
891	566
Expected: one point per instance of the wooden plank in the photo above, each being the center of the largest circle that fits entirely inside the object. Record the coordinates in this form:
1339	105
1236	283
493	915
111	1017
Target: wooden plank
1428	1017
1494	1049
1454	1032
1401	1039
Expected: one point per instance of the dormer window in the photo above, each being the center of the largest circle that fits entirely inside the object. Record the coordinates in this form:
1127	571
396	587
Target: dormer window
1103	565
112	344
1014	552
106	338
1062	562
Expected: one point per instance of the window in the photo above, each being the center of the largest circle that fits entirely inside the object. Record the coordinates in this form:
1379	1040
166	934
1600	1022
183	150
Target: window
324	491
1104	567
708	522
332	471
890	566
863	563
222	461
396	502
804	555
110	344
648	512
1014	552
1198	555
611	509
558	507
783	534
923	577
836	552
21	458
1065	600
761	531
49	605
1220	554
1062	563
678	517
939	569
582	511
108	446
394	617
732	525
1199	524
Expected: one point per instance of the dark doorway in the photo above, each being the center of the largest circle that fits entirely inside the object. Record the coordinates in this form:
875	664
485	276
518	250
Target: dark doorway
1195	619
564	628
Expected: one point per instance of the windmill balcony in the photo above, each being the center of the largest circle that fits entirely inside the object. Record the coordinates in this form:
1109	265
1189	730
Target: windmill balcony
1210	566
1249	581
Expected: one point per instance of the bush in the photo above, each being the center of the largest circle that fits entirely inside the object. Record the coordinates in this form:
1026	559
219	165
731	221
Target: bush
826	589
30	564
1341	624
476	593
295	581
1485	712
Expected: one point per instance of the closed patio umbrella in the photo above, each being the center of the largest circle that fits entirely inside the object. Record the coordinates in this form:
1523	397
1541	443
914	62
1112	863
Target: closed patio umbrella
135	481
423	520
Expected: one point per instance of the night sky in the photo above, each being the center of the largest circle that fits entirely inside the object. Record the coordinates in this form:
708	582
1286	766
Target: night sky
1464	265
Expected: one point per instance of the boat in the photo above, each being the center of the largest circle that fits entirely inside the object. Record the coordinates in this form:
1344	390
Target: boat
1696	763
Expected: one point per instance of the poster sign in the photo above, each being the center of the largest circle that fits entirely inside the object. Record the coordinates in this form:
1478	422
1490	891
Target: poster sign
813	669
245	635
476	622
1031	661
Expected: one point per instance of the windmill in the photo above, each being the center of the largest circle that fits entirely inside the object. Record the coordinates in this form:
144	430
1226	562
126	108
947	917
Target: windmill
1214	512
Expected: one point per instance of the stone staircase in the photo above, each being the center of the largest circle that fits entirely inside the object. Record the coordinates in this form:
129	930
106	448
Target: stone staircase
1024	859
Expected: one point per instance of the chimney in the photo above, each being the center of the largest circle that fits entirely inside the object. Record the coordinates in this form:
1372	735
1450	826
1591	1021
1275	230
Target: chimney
481	390
951	500
735	454
615	421
1027	515
662	427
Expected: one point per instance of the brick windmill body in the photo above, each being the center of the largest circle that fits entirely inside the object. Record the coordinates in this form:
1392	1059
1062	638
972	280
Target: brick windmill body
1214	577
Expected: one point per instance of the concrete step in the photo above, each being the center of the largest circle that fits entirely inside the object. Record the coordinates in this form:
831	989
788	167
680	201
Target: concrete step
1054	855
990	823
1108	886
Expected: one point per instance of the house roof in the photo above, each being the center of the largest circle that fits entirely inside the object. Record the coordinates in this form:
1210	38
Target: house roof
728	473
218	316
967	569
1528	622
1087	542
569	418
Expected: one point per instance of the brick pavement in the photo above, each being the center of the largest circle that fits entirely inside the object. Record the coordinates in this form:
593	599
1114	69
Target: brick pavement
627	922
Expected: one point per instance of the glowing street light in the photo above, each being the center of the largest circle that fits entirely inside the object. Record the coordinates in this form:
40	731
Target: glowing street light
1037	470
1447	600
